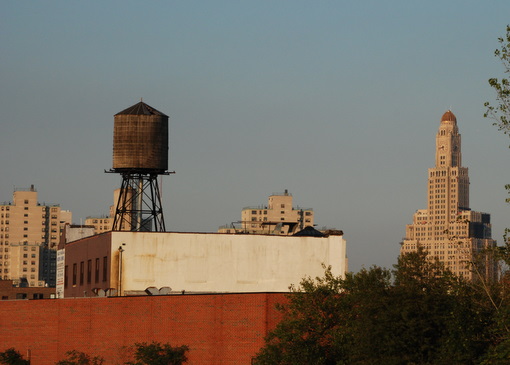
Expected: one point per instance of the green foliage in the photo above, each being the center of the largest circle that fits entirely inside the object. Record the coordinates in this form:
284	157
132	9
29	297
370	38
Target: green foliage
12	357
155	353
425	316
80	358
501	112
500	295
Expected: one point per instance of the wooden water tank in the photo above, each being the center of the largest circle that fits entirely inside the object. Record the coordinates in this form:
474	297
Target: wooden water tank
140	139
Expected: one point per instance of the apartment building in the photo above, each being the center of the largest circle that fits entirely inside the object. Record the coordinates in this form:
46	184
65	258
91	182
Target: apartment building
279	216
29	235
104	223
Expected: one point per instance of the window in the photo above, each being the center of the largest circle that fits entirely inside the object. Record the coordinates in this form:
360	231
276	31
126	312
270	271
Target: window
89	271
75	271
283	206
26	201
97	270
105	267
82	272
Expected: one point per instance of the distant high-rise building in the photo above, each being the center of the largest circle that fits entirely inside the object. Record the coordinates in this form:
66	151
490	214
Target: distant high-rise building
448	229
104	223
29	235
277	217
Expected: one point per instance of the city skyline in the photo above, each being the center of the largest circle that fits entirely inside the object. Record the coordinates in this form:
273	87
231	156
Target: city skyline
336	103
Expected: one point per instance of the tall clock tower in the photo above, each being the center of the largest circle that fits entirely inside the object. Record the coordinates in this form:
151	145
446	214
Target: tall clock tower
448	229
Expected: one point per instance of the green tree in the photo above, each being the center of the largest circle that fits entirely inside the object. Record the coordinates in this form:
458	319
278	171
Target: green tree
12	357
426	315
155	353
80	358
501	112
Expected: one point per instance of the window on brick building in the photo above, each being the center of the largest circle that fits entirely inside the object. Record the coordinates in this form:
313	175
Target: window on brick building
105	267
75	273
82	272
97	270
89	271
65	277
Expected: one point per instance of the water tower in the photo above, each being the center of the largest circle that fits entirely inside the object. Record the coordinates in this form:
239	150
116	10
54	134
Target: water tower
140	155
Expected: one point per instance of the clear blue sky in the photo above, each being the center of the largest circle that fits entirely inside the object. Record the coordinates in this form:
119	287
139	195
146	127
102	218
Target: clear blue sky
339	102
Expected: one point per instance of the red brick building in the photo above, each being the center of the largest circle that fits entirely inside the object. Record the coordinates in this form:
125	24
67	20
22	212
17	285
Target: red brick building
8	291
218	328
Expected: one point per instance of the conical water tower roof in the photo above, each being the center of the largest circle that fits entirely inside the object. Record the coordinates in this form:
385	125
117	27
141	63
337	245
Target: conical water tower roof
141	109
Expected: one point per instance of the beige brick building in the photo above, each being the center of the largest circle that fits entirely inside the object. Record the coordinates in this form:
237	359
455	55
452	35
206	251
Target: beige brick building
277	217
29	235
104	223
448	229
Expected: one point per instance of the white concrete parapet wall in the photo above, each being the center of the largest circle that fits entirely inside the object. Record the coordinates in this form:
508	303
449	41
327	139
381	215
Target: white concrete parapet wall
212	262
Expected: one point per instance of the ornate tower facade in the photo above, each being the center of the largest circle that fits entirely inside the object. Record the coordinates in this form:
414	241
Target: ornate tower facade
448	229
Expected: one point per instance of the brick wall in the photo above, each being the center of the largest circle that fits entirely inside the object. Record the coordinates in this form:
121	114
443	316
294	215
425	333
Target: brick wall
218	328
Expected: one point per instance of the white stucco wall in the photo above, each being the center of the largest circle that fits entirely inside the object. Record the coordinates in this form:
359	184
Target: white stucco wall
214	262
